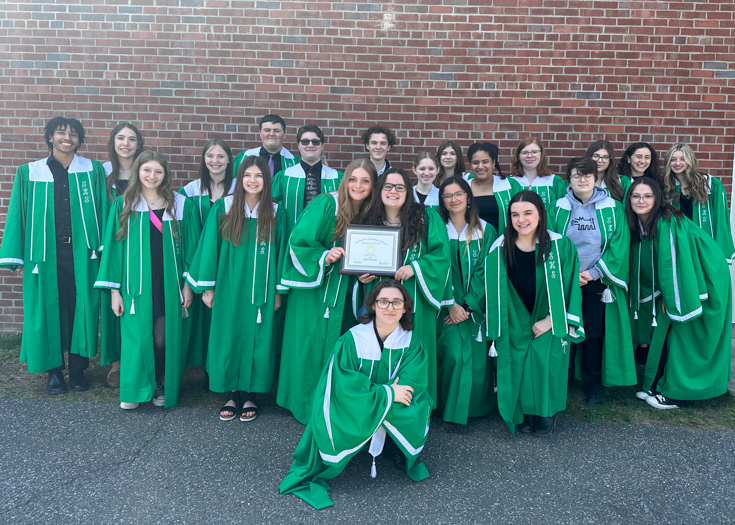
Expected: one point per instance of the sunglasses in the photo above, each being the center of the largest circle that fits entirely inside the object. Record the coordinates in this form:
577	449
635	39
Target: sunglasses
305	142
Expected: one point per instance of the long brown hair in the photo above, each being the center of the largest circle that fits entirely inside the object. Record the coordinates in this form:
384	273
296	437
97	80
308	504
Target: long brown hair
694	181
205	177
114	160
516	168
233	223
346	215
412	214
661	209
459	168
541	234
626	170
406	321
610	177
133	195
470	212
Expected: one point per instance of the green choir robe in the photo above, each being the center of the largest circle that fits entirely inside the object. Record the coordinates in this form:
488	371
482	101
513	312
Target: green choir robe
242	343
316	309
288	189
550	188
532	372
465	380
624	182
643	294
503	190
109	322
354	405
713	217
431	200
126	267
288	159
694	281
618	361
29	241
430	287
201	316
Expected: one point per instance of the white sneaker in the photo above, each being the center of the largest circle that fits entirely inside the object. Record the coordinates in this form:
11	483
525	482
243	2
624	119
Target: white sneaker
644	395
128	406
660	402
158	399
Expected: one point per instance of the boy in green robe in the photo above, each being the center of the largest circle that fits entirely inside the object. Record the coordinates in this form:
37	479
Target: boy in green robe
53	233
372	394
272	129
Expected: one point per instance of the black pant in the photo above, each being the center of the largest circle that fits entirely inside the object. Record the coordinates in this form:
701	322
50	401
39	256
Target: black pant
67	305
661	363
593	317
159	345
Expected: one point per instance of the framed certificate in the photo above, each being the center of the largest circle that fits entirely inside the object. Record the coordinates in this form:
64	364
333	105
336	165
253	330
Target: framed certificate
371	249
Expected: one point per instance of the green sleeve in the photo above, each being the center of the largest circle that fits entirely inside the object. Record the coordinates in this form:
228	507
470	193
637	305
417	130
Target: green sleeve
99	183
236	163
203	269
560	187
552	218
276	189
304	265
110	273
12	248
572	291
191	233
615	261
678	267
281	247
721	219
432	269
475	298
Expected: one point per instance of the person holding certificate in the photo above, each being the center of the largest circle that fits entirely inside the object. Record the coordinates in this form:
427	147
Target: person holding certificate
425	252
465	371
317	311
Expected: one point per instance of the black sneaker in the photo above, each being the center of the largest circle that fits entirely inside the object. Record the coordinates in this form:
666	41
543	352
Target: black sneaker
664	403
595	394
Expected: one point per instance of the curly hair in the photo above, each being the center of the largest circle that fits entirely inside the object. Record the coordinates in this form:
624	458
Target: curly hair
652	171
378	130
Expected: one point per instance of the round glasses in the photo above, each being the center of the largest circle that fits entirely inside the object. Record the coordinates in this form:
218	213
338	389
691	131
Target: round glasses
384	303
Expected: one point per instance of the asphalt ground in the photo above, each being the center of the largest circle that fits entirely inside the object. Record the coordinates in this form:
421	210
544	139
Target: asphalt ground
81	462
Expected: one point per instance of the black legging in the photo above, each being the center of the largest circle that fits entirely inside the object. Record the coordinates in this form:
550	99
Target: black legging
159	345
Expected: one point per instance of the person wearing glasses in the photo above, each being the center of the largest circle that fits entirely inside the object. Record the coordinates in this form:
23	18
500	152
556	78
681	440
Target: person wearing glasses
533	305
319	307
531	170
491	192
603	153
371	396
465	379
426	269
295	187
272	129
700	197
689	358
596	225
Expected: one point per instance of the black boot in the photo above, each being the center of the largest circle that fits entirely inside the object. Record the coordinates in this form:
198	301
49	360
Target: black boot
641	354
527	425
544	426
56	383
394	453
78	382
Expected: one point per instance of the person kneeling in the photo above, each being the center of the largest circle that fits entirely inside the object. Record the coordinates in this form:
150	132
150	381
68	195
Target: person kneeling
373	387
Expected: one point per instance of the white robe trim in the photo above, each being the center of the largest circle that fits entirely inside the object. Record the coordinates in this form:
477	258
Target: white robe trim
548	181
256	151
297	172
432	199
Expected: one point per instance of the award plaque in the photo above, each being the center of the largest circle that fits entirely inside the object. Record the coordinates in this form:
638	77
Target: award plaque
371	249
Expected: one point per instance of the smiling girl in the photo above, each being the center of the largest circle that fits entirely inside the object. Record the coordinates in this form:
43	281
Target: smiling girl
426	169
531	170
451	161
150	241
603	154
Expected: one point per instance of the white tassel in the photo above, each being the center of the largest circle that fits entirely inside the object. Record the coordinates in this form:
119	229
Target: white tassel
493	352
132	307
184	313
260	319
326	314
607	296
635	315
654	323
94	254
35	270
479	336
373	470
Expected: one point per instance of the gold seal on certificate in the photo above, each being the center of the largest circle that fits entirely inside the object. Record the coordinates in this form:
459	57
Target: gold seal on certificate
371	249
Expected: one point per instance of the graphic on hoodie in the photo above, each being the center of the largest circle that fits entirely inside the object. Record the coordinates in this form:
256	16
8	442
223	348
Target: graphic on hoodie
583	224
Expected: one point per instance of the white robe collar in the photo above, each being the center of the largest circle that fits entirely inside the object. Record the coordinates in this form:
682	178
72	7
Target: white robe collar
366	342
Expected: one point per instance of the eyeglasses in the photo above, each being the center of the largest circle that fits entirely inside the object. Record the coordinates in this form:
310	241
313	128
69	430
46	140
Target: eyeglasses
603	158
450	196
638	197
578	177
531	153
400	188
305	142
384	303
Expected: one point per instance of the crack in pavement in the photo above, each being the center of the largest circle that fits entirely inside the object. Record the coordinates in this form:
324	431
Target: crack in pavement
113	464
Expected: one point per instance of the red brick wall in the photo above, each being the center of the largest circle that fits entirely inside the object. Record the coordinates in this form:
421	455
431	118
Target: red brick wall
184	71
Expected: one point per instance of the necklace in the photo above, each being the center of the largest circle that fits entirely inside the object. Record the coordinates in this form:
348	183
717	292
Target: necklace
388	223
152	204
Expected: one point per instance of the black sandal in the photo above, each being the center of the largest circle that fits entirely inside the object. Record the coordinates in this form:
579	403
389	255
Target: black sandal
248	397
232	396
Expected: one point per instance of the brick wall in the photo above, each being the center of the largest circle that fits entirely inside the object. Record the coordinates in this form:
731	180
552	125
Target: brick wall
185	71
